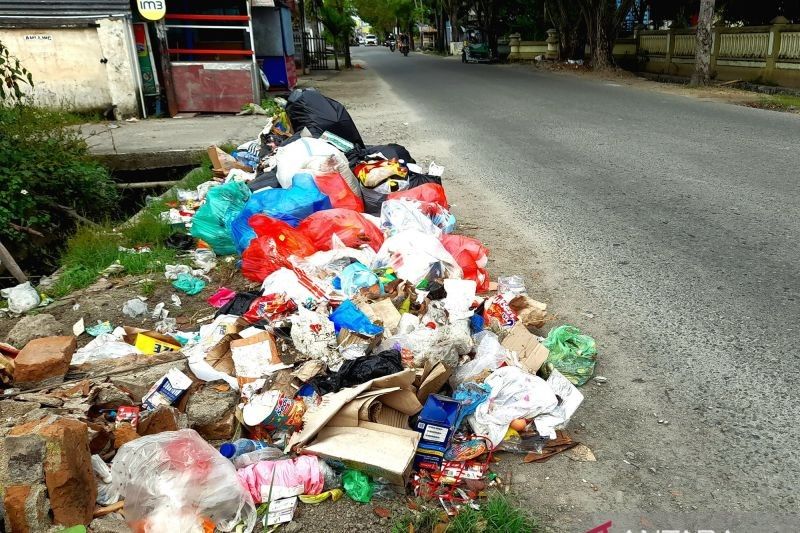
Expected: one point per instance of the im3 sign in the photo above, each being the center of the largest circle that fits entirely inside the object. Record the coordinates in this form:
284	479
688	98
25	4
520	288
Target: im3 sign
152	9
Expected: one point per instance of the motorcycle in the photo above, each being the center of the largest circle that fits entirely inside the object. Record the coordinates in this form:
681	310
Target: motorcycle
404	49
391	46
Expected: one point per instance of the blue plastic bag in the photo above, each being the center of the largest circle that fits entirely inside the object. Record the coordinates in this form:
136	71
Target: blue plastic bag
354	277
348	316
471	395
223	204
290	205
189	284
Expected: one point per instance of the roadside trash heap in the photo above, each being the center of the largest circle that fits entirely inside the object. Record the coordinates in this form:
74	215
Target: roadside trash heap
376	358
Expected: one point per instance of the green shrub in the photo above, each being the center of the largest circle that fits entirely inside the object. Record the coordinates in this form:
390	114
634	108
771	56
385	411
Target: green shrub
44	165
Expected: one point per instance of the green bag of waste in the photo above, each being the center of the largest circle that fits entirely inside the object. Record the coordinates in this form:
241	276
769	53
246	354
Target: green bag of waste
358	485
189	284
571	353
212	220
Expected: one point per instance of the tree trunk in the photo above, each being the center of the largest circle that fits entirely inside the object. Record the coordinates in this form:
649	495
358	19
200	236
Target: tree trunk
347	62
335	55
702	58
602	51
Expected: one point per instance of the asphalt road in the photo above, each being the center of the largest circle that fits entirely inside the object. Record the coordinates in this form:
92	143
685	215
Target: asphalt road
668	228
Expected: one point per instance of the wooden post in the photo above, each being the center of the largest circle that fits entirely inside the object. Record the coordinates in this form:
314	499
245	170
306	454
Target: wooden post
166	67
11	265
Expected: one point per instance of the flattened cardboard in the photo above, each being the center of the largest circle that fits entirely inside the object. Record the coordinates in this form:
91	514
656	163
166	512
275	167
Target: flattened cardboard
433	382
532	354
250	357
378	450
316	419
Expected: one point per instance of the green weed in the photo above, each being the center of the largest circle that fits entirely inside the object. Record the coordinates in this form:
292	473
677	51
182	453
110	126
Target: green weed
786	102
496	515
147	288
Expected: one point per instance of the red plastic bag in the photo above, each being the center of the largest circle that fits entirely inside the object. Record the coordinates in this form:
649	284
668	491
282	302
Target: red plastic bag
333	185
427	192
471	256
275	242
350	226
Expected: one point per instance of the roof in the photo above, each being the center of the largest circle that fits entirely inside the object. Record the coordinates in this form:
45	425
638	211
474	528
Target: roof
24	12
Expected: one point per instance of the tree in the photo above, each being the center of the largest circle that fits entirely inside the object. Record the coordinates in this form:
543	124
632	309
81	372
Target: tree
335	17
12	77
603	20
566	17
702	58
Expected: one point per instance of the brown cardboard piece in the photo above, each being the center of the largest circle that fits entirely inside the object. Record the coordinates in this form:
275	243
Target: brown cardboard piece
334	430
433	381
220	356
532	354
378	450
222	162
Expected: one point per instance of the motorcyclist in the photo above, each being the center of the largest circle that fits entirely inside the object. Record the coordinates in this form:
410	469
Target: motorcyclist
403	43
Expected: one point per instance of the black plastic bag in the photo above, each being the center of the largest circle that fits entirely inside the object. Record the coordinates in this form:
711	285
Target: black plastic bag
180	241
390	151
264	180
357	371
415	180
310	109
239	304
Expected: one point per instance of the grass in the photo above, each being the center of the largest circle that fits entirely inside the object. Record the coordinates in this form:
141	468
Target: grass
785	102
496	515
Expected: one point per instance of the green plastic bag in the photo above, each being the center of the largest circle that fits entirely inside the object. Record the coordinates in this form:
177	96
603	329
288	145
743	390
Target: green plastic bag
189	284
212	221
358	485
571	353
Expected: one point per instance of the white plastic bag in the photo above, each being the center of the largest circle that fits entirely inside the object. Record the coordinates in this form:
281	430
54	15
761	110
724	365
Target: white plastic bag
312	154
21	298
489	355
413	254
105	346
134	308
460	295
313	334
401	215
176	481
515	394
107	493
285	281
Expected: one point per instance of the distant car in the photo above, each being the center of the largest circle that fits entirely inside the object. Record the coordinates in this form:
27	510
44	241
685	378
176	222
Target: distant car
371	40
361	40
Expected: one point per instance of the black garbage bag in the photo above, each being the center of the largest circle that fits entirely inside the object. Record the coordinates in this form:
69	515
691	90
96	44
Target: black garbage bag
310	109
180	241
357	371
264	180
415	180
390	151
239	304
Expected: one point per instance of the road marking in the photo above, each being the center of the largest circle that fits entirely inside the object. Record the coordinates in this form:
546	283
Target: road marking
613	84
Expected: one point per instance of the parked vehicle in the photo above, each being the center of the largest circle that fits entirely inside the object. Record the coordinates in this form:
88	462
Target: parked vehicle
371	40
476	53
361	40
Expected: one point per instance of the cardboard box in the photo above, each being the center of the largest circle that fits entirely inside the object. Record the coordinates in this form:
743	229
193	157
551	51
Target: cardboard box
150	342
531	353
336	431
429	456
437	421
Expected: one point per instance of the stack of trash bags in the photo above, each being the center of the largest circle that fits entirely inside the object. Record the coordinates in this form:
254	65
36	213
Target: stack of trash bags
376	355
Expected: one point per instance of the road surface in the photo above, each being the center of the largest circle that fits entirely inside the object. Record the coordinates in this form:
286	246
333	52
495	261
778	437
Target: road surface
665	226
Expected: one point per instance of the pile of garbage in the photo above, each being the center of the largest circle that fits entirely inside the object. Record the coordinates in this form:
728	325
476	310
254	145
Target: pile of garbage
376	357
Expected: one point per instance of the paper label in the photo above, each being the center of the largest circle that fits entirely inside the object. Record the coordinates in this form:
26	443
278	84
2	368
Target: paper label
435	433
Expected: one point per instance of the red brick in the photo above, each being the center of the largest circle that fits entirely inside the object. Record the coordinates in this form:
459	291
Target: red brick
45	359
26	508
123	435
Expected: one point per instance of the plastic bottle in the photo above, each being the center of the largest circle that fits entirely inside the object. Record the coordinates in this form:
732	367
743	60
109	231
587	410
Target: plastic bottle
240	446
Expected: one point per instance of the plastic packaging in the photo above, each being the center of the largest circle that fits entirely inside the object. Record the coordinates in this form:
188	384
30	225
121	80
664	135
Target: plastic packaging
272	480
176	481
572	353
349	226
221	297
471	256
511	286
358	486
356	276
427	192
295	156
204	259
107	493
105	346
134	308
212	220
263	454
21	298
471	395
402	215
334	186
514	394
240	446
415	256
189	284
269	252
489	355
285	281
350	317
289	205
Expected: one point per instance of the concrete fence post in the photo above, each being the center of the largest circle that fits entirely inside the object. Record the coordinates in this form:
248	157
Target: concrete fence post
552	44
670	50
774	50
716	39
513	45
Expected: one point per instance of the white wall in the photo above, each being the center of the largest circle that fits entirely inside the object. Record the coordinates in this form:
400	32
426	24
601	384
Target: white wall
67	69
